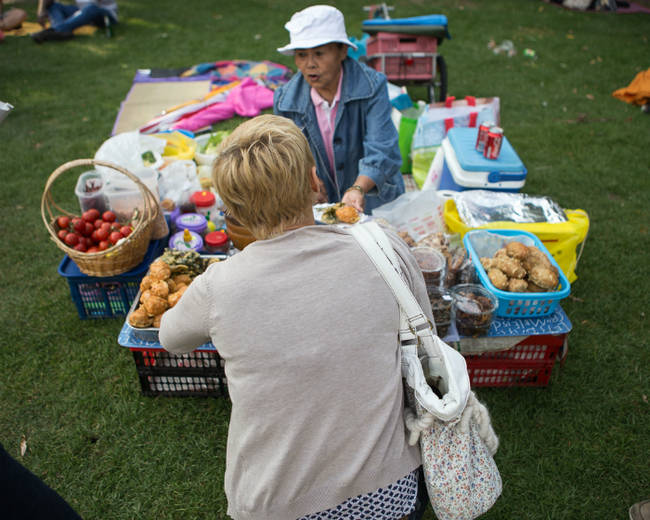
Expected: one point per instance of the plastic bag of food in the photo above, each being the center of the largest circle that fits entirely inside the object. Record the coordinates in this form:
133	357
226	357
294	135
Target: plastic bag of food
130	150
177	181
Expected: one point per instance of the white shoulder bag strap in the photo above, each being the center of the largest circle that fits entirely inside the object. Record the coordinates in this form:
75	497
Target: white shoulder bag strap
444	366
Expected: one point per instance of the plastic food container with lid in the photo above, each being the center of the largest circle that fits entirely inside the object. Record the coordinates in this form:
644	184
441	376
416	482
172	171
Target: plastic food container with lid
186	240
194	222
216	242
205	202
473	309
432	264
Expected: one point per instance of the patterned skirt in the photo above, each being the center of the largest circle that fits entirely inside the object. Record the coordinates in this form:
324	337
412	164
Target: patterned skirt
390	503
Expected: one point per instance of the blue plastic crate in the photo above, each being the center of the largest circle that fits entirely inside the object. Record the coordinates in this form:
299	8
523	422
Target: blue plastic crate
106	296
514	304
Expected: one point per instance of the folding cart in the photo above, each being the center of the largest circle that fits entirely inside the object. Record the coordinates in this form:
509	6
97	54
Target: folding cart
406	51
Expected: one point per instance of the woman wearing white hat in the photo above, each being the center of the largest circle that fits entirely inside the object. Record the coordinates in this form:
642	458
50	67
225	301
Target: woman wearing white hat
343	109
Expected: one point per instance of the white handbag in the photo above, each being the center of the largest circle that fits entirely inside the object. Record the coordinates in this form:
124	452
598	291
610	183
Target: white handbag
456	438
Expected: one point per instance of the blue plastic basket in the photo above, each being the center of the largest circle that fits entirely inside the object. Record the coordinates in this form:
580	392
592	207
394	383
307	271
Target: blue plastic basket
518	305
106	296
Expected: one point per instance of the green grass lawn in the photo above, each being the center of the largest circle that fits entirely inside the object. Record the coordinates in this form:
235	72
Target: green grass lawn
577	449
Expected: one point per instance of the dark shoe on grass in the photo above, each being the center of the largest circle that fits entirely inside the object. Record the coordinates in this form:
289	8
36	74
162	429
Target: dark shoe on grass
51	35
640	510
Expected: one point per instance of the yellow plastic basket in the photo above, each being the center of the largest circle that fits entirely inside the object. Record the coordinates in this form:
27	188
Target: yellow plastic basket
564	240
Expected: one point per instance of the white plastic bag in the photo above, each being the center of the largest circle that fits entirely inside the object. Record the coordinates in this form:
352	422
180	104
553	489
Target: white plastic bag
178	180
417	212
126	150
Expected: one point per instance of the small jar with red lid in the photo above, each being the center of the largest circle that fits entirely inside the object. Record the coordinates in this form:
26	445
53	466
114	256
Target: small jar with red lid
205	202
216	242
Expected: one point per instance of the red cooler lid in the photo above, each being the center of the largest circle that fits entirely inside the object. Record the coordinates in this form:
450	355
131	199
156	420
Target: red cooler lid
203	199
216	238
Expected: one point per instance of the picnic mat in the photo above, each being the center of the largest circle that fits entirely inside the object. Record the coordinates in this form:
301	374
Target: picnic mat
28	28
148	99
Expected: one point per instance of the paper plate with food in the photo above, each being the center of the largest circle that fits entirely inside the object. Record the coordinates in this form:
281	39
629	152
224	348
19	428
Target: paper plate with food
338	213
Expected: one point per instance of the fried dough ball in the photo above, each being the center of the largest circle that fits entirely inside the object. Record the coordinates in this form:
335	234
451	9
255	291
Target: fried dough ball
181	279
516	250
347	214
145	295
543	277
501	253
536	257
517	285
159	270
511	267
498	279
487	263
155	305
145	283
534	288
171	285
156	320
160	288
173	298
140	319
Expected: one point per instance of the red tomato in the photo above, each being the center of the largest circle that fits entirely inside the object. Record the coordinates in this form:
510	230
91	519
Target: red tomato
78	224
62	234
92	249
115	236
91	215
102	233
88	229
95	237
63	222
125	230
80	247
106	226
71	239
109	216
98	223
103	245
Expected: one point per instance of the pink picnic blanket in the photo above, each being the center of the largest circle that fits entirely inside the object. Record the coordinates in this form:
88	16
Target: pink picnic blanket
247	99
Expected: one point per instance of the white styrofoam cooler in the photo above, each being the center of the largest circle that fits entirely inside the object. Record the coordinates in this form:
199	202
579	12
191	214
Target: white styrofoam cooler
464	168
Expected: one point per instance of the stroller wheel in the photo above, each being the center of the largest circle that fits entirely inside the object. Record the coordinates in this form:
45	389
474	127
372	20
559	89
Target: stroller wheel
437	89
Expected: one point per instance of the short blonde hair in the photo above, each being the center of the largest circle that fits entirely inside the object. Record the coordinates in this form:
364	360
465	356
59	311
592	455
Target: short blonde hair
263	174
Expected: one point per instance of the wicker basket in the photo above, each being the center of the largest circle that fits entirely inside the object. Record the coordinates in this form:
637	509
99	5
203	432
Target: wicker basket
119	258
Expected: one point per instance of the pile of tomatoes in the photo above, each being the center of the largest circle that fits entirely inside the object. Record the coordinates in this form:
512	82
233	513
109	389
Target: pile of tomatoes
93	232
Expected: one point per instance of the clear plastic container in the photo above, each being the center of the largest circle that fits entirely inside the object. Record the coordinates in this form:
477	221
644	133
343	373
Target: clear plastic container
432	264
473	309
205	202
90	191
124	195
441	304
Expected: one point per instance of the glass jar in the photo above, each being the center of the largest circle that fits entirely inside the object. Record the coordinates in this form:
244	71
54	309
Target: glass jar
217	242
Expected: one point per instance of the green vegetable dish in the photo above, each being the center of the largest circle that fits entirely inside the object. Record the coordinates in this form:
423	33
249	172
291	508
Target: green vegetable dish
210	147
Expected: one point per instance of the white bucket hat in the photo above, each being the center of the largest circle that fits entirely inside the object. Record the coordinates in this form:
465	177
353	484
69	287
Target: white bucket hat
314	26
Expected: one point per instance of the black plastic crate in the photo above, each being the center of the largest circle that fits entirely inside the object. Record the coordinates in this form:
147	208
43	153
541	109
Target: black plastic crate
199	373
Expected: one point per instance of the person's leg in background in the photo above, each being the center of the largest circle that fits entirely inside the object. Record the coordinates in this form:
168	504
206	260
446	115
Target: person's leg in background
24	496
88	15
59	13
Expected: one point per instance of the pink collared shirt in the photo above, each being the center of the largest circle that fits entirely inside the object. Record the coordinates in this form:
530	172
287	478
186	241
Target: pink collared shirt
326	117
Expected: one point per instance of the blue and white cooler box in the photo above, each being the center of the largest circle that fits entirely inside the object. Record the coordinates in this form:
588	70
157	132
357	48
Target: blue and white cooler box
465	168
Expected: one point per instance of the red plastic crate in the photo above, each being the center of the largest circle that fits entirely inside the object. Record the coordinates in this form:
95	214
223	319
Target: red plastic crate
529	363
383	43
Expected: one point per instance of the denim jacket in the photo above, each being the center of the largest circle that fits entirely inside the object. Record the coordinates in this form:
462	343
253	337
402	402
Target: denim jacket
365	140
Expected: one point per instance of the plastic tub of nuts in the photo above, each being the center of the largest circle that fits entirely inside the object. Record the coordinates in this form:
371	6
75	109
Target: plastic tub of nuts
441	302
473	309
432	264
